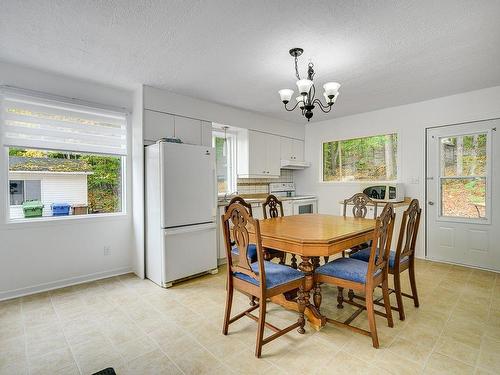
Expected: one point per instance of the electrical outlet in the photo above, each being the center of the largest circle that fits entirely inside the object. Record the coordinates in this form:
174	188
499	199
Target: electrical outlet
107	250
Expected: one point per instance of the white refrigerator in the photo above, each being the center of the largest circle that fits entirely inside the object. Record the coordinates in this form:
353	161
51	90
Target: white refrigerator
181	204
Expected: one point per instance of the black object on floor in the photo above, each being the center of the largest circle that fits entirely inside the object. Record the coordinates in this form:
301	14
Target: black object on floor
106	371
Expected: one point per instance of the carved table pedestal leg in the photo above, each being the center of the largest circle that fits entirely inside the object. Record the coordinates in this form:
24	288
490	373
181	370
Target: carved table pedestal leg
311	311
340	298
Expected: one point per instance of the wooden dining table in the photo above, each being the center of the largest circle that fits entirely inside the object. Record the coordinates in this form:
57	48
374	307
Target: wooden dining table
312	236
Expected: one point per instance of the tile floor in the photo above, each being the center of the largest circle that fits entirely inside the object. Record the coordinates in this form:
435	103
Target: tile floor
139	328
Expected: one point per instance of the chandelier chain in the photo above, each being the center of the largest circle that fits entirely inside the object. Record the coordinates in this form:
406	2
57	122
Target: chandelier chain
297	68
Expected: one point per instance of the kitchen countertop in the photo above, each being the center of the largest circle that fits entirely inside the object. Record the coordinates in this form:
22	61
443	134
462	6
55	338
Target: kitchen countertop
404	203
261	198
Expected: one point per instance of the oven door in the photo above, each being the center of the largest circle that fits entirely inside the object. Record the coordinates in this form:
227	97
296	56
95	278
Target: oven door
306	206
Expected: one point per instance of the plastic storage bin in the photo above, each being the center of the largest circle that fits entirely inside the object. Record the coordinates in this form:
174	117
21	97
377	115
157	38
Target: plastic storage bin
32	209
80	209
60	209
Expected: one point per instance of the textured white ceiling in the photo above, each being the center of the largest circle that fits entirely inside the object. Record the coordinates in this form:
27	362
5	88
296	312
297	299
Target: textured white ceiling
235	52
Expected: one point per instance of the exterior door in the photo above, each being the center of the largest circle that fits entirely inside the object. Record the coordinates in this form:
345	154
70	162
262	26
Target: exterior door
463	194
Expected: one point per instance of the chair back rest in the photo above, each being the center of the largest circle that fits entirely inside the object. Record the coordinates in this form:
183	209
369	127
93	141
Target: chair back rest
408	232
381	243
235	222
272	203
359	202
241	201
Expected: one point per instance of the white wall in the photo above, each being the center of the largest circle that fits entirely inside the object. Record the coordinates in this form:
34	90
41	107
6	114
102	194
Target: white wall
165	101
138	184
410	121
38	256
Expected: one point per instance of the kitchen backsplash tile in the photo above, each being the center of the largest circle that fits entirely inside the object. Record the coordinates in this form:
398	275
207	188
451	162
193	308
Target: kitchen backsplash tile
261	185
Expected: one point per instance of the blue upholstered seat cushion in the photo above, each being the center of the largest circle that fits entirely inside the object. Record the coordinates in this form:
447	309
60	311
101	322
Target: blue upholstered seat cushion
251	252
347	269
276	274
364	255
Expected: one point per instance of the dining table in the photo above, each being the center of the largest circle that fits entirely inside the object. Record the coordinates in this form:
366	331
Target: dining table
312	236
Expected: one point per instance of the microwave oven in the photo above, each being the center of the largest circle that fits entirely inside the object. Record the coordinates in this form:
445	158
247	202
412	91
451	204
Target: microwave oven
385	192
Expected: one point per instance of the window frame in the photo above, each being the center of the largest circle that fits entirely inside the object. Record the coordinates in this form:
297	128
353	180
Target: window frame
232	172
357	182
38	220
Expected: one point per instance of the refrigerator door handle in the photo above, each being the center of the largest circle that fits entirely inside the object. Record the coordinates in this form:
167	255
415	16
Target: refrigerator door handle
188	229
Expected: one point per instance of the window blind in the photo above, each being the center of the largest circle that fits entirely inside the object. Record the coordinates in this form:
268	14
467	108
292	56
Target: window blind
34	122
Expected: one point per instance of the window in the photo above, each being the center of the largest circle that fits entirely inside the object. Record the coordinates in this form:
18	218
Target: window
62	154
225	151
22	191
463	176
361	159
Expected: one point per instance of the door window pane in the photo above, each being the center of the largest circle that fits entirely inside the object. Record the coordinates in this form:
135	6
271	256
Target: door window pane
33	190
16	192
463	197
464	155
463	176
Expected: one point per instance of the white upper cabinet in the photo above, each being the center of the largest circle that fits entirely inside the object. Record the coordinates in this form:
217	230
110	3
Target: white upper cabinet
291	149
188	130
206	133
157	125
298	150
286	148
258	155
273	155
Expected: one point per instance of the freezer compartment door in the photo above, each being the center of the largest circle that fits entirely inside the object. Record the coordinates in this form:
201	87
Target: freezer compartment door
188	194
188	251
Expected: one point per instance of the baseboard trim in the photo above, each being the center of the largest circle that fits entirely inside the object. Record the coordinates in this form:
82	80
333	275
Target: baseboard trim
462	265
15	293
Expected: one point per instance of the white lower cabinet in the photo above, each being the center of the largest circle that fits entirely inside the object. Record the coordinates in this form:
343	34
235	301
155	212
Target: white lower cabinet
221	247
257	211
288	208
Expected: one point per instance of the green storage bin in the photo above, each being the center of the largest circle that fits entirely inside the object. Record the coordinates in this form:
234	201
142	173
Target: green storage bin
32	209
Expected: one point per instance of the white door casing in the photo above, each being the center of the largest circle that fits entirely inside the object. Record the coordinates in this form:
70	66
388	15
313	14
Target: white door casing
463	194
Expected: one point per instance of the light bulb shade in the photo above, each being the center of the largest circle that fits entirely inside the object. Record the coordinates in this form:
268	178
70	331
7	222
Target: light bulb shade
331	88
285	95
326	97
299	98
304	85
336	96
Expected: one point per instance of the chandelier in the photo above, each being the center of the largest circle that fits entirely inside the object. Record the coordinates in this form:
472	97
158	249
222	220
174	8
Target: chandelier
307	101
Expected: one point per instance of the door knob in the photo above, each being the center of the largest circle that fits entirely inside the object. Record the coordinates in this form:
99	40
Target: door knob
431	203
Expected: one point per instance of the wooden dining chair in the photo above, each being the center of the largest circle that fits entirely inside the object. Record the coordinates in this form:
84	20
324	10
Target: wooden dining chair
363	276
404	257
261	279
271	208
252	251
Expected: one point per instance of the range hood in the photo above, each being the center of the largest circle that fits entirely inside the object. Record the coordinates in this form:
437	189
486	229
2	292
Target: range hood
294	164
